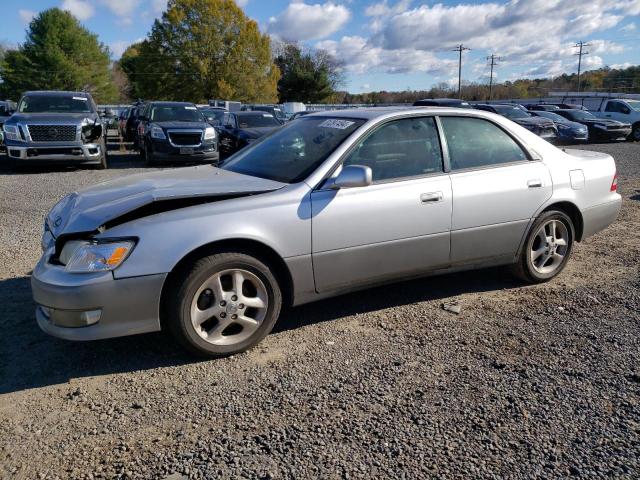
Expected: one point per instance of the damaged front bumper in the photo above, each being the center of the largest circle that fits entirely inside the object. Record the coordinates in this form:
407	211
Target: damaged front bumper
83	153
92	306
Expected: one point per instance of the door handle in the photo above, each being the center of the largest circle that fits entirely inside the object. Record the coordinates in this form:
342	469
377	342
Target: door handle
431	197
535	183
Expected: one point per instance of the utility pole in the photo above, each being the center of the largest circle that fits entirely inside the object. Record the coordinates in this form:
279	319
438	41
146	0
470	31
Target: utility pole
493	61
580	45
460	48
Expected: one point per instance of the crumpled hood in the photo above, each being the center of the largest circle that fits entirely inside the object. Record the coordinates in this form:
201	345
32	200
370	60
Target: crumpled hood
256	132
54	118
89	209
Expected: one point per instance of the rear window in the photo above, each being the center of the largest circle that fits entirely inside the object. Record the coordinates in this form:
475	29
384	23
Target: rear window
257	121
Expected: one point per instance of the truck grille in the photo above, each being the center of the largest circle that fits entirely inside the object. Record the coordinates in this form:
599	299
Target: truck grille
52	133
186	138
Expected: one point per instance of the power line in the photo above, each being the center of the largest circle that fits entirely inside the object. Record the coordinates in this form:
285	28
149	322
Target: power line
580	45
493	61
460	48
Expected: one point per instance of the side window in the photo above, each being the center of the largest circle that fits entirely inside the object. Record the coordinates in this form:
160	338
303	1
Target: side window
474	143
613	107
401	148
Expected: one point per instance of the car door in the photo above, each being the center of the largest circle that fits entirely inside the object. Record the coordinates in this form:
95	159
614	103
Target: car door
616	110
395	227
496	188
228	137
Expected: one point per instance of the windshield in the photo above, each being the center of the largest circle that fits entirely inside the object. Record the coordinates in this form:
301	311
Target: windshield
293	152
214	114
55	104
635	104
175	113
581	115
257	121
512	112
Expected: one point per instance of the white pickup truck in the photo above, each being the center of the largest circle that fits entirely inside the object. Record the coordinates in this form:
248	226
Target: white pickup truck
623	110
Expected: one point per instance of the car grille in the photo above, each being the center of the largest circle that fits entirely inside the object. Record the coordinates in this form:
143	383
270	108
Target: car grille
178	138
53	133
616	127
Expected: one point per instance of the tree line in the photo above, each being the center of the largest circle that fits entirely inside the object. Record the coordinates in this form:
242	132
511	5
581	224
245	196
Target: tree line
205	49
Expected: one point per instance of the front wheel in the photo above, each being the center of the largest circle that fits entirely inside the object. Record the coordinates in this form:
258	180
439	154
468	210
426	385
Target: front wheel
547	248
103	155
223	304
635	133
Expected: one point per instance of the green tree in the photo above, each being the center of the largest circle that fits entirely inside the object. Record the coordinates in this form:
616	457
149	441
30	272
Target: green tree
310	77
58	54
203	49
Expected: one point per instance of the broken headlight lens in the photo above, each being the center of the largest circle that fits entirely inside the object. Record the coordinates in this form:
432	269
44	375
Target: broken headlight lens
87	257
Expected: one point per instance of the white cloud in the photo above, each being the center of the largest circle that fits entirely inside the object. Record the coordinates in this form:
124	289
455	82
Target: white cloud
622	66
118	48
123	9
81	9
361	57
383	9
242	3
301	21
26	15
158	6
536	34
628	28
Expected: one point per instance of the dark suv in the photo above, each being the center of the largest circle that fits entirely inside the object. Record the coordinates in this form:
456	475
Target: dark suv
56	127
176	131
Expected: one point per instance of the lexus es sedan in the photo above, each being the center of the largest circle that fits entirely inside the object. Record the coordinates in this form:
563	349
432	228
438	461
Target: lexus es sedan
330	203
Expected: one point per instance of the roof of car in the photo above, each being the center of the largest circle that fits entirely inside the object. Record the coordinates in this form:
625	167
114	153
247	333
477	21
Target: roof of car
171	104
59	93
376	112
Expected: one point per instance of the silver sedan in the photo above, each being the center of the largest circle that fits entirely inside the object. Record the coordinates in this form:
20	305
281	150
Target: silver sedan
327	204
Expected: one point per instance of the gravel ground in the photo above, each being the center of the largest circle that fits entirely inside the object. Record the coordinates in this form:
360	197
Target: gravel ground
526	382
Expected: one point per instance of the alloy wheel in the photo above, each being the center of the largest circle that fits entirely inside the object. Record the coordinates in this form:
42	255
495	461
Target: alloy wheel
229	307
549	247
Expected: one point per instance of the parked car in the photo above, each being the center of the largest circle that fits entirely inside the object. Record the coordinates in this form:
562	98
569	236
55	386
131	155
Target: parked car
176	131
242	128
109	118
214	115
56	127
328	204
130	130
6	110
122	121
570	106
441	102
277	113
568	131
623	110
540	126
544	107
599	128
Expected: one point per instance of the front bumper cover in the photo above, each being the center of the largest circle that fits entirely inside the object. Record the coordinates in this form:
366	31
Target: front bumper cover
94	306
85	153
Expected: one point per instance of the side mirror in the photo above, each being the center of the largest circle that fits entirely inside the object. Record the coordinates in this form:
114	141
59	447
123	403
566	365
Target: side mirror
353	176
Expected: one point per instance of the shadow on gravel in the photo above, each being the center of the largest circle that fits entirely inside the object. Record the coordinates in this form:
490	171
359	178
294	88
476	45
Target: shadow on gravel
636	197
405	293
29	358
117	159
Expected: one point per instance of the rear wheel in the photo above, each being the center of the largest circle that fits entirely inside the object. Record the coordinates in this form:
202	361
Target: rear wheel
148	155
547	249
635	133
223	304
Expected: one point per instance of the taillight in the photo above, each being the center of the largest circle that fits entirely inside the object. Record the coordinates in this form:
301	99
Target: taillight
614	183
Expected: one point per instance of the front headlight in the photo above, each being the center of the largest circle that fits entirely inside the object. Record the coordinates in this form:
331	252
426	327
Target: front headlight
11	132
157	133
209	133
562	126
81	256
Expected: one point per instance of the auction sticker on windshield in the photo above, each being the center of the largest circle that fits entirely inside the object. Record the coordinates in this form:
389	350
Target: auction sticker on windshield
335	123
84	99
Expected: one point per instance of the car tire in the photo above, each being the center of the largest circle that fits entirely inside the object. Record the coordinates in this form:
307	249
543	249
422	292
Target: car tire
547	248
222	304
635	133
